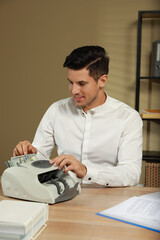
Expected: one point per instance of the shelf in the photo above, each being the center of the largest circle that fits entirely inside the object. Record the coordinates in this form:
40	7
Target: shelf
150	14
150	114
151	156
152	78
143	15
146	116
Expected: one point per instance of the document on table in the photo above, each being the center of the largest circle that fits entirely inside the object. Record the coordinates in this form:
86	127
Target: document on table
143	211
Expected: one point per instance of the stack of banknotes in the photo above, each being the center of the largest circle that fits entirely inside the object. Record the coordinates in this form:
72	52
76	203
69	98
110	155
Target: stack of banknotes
16	161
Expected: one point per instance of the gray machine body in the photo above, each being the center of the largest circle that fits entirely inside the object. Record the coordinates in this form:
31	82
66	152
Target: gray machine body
39	181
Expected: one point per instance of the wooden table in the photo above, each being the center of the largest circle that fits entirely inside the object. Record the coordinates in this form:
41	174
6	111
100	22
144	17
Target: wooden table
76	219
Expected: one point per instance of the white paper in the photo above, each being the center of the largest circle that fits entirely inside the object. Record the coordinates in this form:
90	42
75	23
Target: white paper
137	210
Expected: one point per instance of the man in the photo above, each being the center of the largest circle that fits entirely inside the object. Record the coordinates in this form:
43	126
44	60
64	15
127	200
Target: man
98	138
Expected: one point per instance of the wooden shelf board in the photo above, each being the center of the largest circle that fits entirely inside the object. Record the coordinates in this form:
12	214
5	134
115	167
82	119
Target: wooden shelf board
150	116
151	156
150	14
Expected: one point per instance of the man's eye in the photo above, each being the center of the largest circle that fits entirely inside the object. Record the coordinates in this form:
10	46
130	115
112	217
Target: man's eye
82	83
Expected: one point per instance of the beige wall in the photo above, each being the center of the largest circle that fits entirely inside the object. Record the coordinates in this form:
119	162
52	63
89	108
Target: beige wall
36	36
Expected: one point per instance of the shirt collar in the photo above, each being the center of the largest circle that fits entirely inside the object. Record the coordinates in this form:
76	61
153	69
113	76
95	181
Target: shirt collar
99	108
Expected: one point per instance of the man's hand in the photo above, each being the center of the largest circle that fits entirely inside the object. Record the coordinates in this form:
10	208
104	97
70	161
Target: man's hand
24	148
71	164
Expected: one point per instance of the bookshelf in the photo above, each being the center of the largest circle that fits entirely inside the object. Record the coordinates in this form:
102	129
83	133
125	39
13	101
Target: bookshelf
152	158
143	15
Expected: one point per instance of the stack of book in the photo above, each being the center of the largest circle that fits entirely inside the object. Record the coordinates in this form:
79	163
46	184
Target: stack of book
150	114
21	220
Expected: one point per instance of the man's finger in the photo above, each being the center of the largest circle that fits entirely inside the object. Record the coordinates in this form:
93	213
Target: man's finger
65	162
69	168
25	149
56	161
19	149
15	152
32	149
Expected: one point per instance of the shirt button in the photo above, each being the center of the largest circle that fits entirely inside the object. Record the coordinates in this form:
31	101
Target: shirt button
83	114
89	178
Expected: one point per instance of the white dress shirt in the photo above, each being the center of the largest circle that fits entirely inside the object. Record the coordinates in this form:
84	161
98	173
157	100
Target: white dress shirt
107	140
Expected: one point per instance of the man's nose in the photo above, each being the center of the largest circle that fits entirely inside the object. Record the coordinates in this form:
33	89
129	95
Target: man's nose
75	89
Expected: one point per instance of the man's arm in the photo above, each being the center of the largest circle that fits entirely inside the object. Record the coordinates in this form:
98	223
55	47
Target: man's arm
127	171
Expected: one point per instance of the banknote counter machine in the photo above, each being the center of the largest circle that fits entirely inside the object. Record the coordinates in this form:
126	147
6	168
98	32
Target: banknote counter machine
39	181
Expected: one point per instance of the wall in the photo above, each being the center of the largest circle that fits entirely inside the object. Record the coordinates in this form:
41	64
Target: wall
36	36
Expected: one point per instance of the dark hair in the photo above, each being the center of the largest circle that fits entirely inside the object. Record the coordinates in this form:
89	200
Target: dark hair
93	58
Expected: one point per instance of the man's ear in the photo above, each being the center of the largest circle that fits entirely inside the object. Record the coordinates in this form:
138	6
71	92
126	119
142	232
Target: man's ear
102	80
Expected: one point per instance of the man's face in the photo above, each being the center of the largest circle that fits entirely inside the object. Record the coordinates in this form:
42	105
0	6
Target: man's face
86	92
